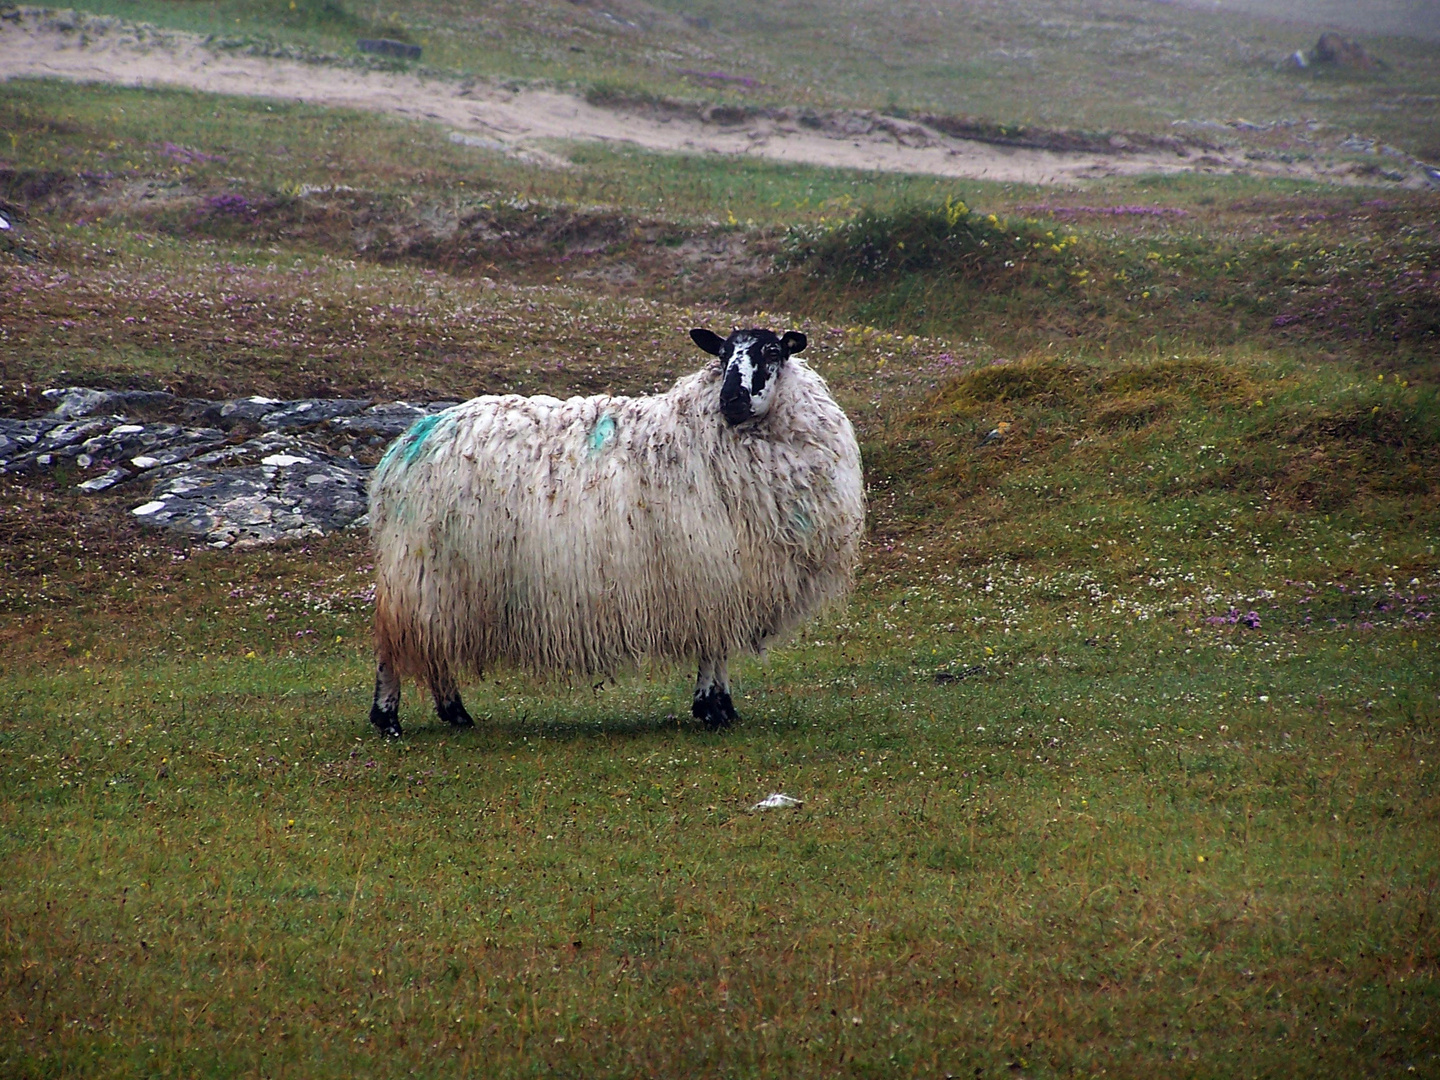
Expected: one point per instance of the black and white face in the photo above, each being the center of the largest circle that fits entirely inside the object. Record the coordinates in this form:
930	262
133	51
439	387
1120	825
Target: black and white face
753	359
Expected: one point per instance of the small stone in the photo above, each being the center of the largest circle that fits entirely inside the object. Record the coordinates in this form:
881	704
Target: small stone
106	480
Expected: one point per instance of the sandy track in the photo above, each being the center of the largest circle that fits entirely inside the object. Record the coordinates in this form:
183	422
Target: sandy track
530	122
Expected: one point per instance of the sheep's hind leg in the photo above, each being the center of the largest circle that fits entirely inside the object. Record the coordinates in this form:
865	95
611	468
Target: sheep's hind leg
712	703
385	712
448	705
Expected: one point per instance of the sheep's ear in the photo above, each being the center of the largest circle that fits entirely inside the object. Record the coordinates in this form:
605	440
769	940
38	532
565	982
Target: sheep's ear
793	342
708	341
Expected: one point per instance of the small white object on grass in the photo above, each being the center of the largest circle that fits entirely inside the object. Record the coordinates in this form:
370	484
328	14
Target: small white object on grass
777	801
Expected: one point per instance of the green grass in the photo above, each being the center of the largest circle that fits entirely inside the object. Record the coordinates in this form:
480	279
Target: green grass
198	142
139	179
1366	275
318	24
1122	759
1080	64
1125	844
1063	809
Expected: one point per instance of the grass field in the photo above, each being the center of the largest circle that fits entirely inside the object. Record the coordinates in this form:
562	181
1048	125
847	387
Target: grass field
1073	64
1121	761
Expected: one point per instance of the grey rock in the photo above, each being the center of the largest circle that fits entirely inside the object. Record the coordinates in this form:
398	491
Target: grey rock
19	436
98	442
292	478
252	409
106	480
282	495
31	445
75	401
68	434
389	419
314	411
1358	144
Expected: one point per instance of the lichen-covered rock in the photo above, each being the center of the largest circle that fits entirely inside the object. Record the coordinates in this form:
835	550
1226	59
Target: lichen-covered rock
284	495
239	472
388	420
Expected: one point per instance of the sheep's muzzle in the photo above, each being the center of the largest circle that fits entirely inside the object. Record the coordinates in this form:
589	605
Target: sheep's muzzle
734	399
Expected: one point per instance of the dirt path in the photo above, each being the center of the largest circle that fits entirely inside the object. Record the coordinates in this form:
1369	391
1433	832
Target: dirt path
531	122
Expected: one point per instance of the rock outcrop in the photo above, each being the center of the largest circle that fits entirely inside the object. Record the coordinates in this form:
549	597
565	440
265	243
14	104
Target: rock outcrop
240	472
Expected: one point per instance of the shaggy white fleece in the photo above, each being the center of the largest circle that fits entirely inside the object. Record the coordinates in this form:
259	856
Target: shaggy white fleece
584	535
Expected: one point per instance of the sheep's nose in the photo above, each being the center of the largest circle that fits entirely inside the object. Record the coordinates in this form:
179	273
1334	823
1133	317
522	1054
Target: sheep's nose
736	406
734	398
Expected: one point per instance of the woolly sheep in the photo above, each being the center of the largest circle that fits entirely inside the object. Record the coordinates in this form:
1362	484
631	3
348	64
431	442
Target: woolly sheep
582	536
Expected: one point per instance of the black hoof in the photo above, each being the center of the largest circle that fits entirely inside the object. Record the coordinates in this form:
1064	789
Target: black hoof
388	723
714	709
453	713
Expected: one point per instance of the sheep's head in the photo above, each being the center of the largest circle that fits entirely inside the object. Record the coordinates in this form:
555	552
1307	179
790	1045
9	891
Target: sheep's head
753	359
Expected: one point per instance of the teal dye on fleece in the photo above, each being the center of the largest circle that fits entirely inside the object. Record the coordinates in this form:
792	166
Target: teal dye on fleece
603	432
418	433
801	521
413	441
390	451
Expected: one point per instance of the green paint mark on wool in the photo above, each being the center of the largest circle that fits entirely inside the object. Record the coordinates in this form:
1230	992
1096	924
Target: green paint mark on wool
389	454
601	433
413	441
418	433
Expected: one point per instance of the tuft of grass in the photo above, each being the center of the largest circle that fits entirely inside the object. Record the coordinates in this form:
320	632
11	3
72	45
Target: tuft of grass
1107	443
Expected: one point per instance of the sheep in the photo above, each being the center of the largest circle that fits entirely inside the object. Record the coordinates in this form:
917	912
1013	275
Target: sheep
582	536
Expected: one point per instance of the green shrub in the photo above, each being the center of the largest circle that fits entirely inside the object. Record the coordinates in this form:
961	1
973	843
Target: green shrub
876	245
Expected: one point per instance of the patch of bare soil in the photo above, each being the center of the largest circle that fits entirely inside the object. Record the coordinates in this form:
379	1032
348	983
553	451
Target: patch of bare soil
529	122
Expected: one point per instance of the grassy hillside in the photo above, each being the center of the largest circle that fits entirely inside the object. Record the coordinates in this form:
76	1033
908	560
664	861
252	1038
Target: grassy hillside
1073	64
1154	263
1121	760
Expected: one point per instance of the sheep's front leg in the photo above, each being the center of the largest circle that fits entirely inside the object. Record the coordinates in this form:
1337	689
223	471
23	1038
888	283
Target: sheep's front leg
448	705
712	703
385	712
